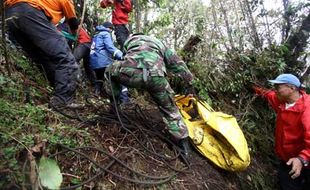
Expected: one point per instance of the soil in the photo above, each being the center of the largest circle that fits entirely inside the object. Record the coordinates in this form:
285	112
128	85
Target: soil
140	146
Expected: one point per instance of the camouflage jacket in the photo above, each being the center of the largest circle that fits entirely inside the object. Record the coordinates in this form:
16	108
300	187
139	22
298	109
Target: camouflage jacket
145	52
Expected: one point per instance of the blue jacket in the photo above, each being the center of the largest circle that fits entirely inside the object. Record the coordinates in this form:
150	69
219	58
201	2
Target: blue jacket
102	49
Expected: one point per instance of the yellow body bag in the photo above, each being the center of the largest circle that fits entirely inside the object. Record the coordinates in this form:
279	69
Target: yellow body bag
216	135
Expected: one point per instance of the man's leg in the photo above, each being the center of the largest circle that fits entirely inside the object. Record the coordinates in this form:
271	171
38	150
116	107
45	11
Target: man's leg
163	95
161	92
35	53
121	33
124	95
99	81
286	182
34	24
307	178
82	52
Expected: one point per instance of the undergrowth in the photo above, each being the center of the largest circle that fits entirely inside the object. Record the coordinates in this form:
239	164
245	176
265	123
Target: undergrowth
228	84
26	121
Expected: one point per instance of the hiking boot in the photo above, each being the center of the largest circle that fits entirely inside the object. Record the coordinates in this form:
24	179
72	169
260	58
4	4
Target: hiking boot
57	103
98	88
184	145
127	106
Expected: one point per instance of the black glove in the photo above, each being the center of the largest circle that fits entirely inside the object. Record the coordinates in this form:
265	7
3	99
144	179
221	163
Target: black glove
190	91
73	24
119	1
251	86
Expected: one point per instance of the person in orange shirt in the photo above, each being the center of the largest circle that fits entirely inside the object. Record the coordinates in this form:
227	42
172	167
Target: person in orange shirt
32	24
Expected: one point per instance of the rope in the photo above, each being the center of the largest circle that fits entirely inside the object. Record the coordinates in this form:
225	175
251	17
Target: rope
165	179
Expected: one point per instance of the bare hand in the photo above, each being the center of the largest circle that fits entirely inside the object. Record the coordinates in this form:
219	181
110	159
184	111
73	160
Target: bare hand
296	167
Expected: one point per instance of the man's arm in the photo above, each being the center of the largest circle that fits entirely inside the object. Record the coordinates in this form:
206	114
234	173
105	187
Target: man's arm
70	15
125	5
106	3
305	120
109	46
303	158
270	95
177	66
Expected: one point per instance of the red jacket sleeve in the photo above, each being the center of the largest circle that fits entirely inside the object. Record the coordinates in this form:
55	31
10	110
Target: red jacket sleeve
126	5
305	120
105	3
270	95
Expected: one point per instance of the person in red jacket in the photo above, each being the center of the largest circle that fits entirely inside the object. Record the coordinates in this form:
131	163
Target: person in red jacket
292	133
120	18
81	51
82	48
32	24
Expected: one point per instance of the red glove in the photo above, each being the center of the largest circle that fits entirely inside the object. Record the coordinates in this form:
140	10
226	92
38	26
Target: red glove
259	90
106	3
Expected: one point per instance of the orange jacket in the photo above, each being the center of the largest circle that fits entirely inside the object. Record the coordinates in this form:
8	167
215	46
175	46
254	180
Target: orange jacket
54	9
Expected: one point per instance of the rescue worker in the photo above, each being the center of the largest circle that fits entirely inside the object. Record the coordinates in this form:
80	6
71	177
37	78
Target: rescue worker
82	50
120	18
145	65
292	133
102	54
32	23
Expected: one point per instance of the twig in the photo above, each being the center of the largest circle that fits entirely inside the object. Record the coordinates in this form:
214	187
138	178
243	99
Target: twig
71	175
82	20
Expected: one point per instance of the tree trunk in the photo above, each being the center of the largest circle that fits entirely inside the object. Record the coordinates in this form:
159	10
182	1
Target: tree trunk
256	41
189	48
240	40
215	25
228	28
137	5
7	63
296	44
267	27
287	25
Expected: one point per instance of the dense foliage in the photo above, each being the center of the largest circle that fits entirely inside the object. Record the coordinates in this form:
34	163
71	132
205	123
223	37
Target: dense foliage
242	42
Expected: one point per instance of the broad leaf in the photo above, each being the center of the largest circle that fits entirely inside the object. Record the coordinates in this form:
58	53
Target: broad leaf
49	173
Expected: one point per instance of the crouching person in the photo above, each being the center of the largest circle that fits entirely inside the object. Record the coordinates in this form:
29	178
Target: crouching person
144	66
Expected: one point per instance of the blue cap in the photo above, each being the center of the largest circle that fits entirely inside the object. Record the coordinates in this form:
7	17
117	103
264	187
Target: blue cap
286	79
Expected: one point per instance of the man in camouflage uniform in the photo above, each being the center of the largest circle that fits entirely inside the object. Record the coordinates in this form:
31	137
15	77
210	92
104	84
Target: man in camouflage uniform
144	66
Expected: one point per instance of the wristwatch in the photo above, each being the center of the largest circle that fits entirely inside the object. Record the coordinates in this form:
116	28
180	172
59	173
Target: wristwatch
305	163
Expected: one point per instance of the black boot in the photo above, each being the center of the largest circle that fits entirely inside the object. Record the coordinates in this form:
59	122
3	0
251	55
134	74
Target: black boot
184	145
98	88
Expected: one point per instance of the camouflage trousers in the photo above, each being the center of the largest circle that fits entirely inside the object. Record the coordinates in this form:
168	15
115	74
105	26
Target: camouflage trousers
160	91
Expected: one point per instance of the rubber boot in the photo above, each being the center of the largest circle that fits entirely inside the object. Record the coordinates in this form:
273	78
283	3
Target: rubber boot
98	88
184	145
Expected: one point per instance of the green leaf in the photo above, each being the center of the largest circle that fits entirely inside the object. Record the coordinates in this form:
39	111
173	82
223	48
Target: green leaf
49	173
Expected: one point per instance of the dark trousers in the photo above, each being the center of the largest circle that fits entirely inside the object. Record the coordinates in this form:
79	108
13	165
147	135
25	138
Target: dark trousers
287	183
100	73
123	94
121	33
45	46
82	52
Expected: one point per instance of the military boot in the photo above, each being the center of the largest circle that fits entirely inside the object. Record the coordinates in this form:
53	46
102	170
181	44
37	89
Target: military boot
184	145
